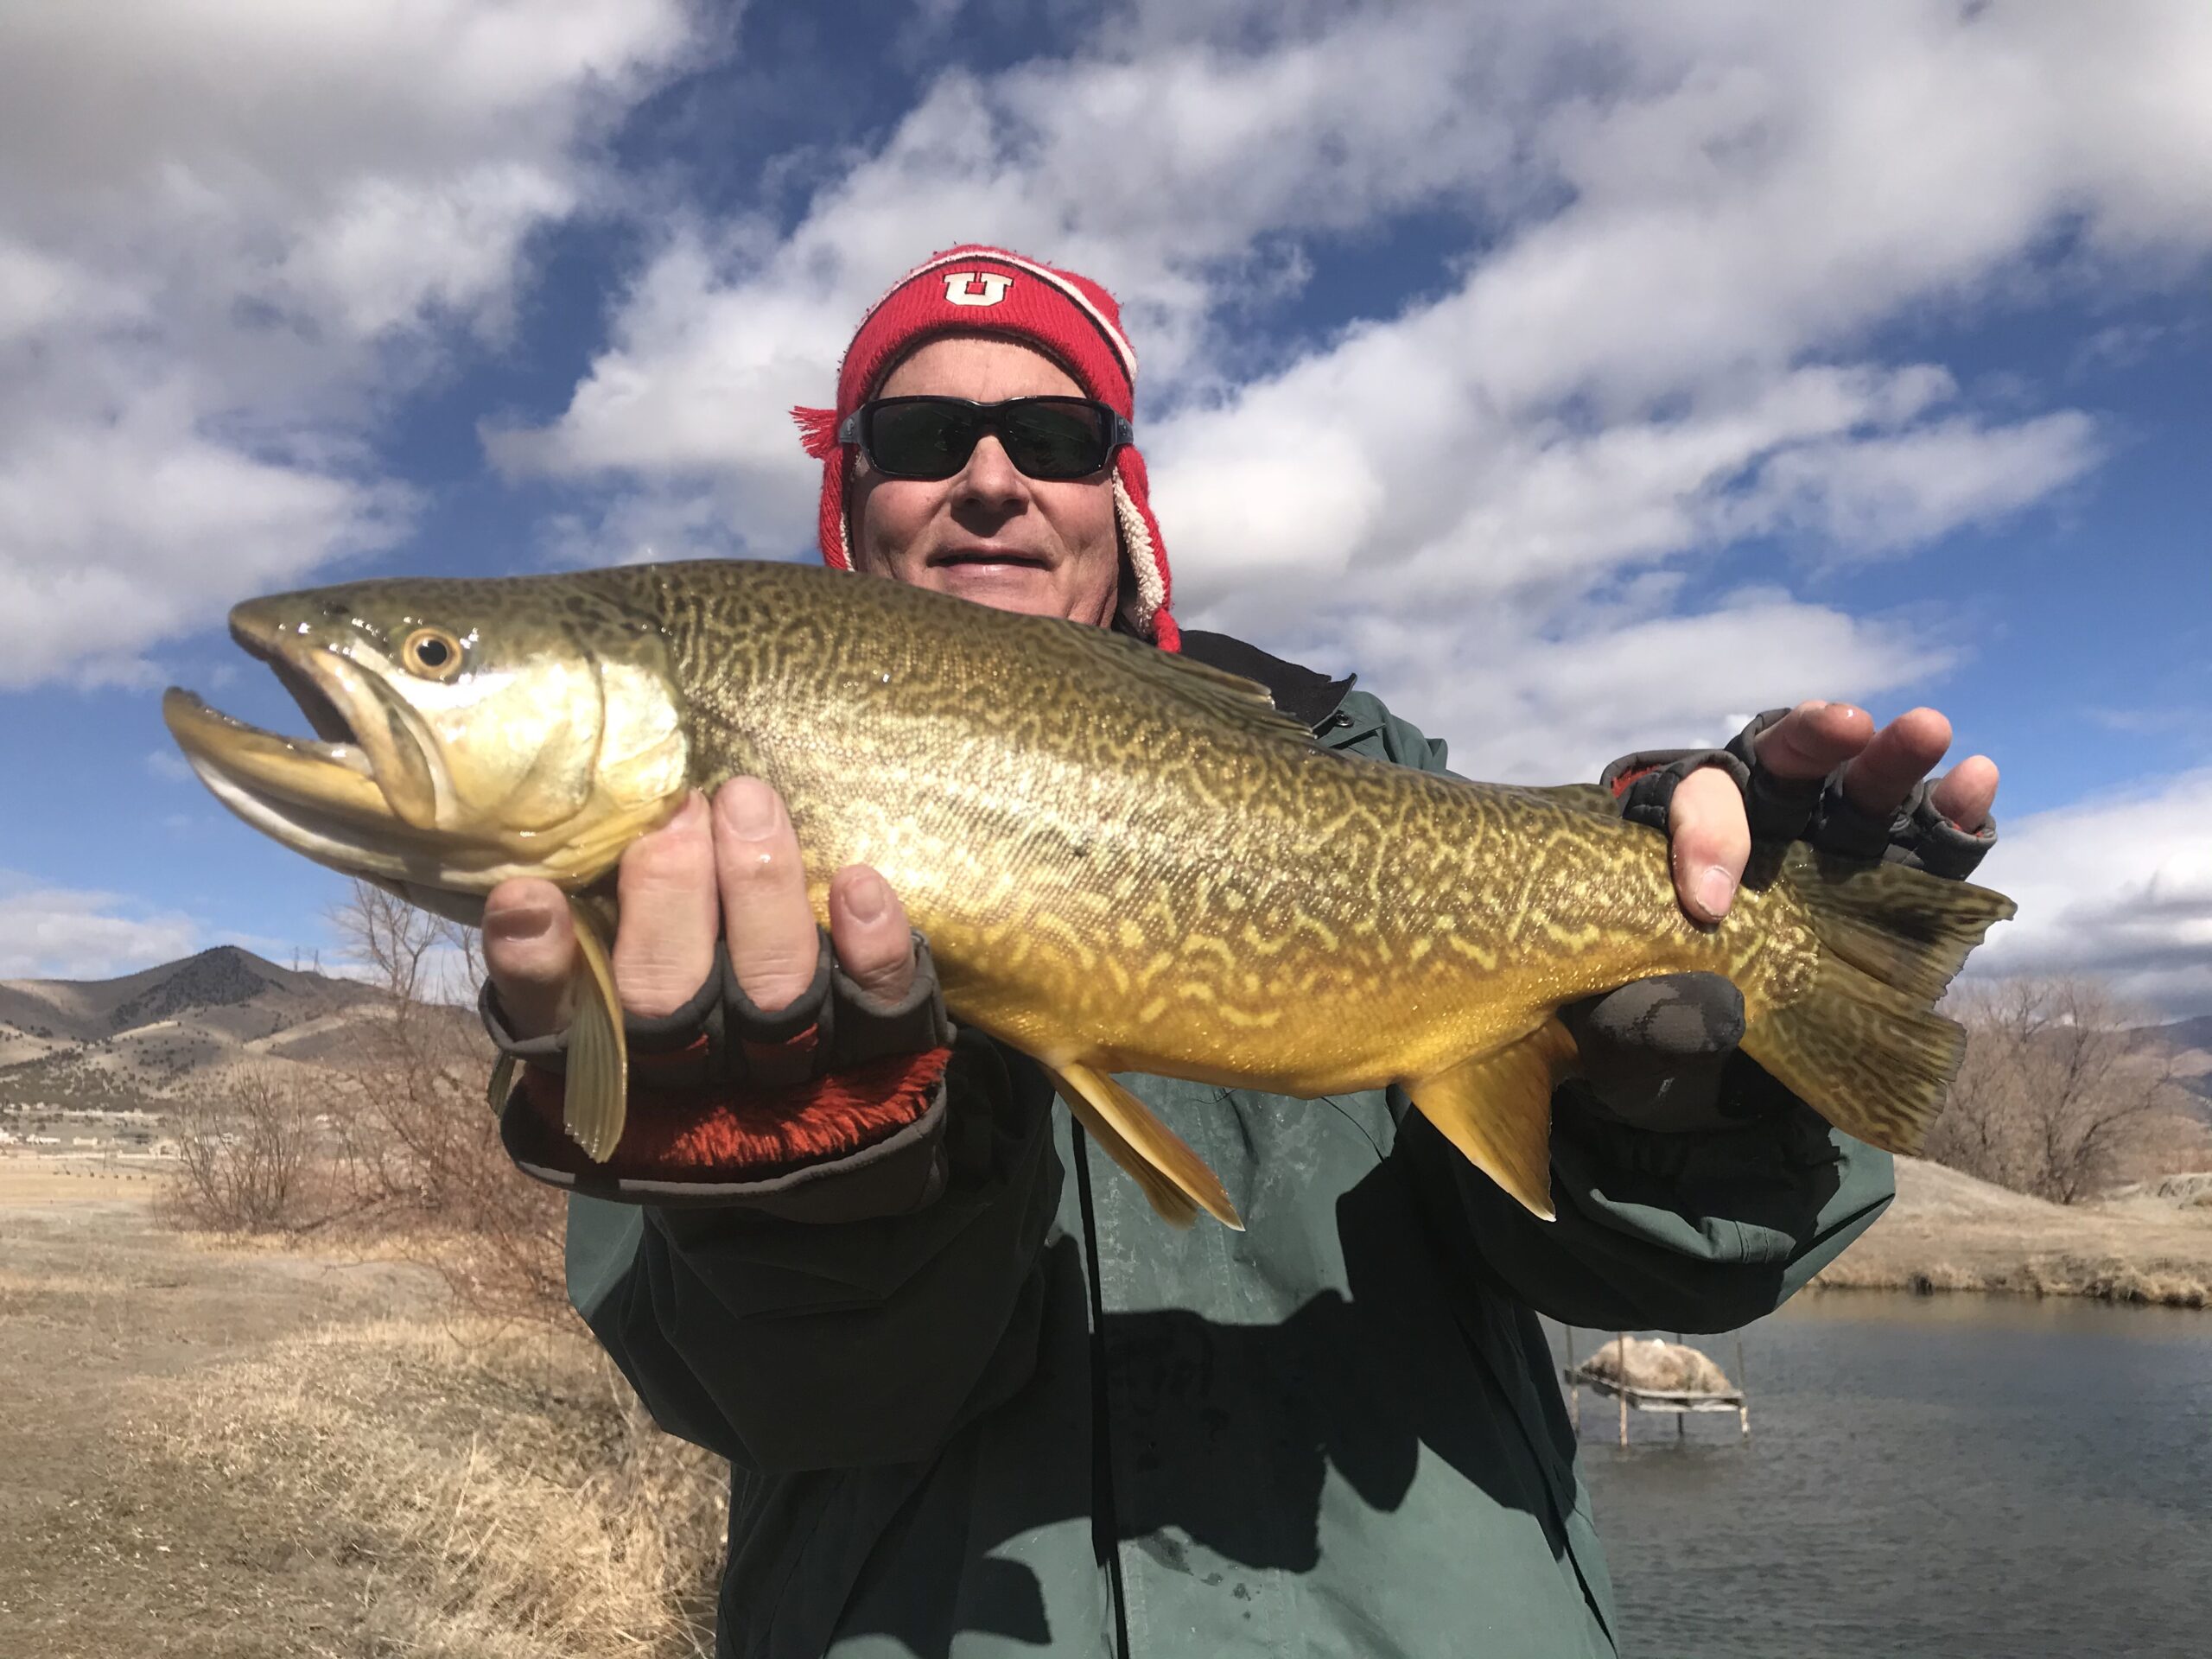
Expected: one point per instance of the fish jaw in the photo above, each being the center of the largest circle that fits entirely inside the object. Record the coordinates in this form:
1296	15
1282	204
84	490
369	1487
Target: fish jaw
328	777
319	799
340	695
552	746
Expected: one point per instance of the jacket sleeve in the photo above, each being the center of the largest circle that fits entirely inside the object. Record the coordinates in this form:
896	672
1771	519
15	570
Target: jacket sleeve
1698	1230
1705	1231
786	1344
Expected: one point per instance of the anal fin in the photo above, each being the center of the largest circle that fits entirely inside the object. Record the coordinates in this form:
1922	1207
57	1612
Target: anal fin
1497	1109
1175	1179
597	1103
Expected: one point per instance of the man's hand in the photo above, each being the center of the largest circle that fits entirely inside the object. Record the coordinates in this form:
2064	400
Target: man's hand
1709	832
732	868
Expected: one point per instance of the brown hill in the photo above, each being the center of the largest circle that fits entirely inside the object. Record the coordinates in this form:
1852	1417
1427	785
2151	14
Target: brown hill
146	1038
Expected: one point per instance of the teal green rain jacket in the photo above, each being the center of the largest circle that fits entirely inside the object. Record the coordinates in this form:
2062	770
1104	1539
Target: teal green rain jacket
1030	1419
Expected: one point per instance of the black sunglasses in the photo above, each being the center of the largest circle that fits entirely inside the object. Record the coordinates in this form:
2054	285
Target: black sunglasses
932	437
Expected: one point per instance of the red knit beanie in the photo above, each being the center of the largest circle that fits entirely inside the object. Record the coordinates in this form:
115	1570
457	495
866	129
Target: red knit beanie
974	289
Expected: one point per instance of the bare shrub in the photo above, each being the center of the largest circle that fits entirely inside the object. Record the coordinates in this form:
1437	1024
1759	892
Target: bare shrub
420	1145
512	1496
2057	1093
245	1158
410	1156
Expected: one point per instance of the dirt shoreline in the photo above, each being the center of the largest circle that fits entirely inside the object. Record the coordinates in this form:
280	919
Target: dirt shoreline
1948	1231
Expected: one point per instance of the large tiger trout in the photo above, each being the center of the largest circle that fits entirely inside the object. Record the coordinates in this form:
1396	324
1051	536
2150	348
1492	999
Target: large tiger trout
1124	861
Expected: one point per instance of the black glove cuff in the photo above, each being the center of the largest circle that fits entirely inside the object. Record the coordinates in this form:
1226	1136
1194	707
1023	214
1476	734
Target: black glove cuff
1777	809
1656	773
1813	809
548	1053
1937	845
1915	834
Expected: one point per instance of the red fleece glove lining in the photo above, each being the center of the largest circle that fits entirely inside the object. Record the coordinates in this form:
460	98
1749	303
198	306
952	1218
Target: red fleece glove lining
673	1135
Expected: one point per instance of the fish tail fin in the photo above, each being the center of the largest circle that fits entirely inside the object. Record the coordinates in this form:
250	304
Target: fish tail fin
1864	1044
597	1103
1497	1109
1175	1179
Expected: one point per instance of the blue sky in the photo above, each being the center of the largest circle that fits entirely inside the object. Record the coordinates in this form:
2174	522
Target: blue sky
1583	391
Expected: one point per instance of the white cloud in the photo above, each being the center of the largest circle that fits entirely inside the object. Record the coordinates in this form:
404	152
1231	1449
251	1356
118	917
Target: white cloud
1212	149
49	933
232	232
1876	494
2120	888
1627	675
119	532
1687	225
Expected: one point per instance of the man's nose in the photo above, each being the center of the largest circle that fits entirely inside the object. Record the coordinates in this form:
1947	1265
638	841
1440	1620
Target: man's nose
990	476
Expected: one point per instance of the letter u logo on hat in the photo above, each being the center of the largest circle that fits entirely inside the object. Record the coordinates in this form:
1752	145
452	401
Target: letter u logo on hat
975	287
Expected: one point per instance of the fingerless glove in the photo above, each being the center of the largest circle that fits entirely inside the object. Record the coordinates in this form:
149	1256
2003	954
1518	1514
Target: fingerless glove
831	1108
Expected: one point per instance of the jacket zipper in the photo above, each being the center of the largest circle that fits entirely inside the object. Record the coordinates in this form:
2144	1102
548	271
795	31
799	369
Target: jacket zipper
1105	1513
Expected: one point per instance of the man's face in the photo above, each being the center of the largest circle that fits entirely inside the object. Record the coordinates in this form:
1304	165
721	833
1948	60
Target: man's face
990	533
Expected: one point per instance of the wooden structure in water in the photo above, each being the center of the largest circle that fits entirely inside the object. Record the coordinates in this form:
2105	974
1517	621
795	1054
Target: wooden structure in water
1681	1402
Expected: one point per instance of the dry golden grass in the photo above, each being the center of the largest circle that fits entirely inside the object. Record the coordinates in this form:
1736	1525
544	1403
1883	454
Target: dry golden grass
500	1490
1949	1231
304	1454
29	1181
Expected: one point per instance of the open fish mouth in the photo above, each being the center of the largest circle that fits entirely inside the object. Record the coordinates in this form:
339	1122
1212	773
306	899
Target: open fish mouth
237	759
361	795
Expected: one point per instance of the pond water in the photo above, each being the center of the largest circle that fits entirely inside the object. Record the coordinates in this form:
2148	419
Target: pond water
1946	1475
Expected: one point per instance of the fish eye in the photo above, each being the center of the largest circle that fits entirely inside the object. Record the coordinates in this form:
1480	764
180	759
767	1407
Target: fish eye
431	653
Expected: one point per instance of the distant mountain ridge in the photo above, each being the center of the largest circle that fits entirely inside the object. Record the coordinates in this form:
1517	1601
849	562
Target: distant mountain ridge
2190	1040
2192	1033
145	1038
226	976
142	1039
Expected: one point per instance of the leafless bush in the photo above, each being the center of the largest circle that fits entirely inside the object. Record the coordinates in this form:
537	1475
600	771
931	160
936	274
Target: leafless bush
2057	1090
419	1142
410	1155
245	1158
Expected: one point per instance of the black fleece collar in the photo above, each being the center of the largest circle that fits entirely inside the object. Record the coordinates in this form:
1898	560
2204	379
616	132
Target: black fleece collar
1308	698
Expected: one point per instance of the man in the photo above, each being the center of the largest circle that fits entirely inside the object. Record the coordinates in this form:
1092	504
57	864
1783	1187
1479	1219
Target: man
976	1399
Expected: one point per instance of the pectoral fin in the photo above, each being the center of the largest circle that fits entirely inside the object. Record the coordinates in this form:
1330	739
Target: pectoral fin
597	1100
502	1083
1497	1110
1173	1176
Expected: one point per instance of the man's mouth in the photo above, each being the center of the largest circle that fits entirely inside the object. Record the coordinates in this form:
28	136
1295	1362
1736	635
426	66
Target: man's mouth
990	556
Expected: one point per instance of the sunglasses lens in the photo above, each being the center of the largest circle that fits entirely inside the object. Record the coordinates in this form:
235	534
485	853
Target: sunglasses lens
1043	437
1049	438
921	440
